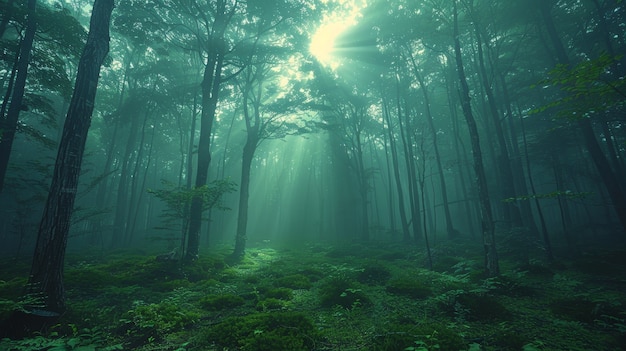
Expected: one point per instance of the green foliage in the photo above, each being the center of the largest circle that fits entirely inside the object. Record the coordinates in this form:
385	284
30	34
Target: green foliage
568	194
374	273
480	307
264	332
589	87
270	304
221	302
408	286
178	199
147	323
343	291
294	281
81	340
279	293
422	337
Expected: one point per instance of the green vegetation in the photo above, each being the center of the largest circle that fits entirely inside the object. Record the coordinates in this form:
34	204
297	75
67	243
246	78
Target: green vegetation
306	300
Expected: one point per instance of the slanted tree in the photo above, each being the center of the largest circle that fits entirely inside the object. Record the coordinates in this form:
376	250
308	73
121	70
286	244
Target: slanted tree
46	278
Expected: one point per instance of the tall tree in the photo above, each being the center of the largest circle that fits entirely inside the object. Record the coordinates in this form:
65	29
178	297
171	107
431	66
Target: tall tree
46	276
487	224
8	123
215	50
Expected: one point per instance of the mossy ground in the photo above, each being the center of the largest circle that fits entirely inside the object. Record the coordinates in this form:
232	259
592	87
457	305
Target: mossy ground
351	297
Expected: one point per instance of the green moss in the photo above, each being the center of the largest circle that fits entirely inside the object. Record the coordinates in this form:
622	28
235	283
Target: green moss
408	286
342	291
279	293
156	319
221	302
428	336
295	281
263	332
270	304
374	273
482	307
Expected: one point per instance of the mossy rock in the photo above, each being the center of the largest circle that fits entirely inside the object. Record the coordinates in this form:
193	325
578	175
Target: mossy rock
263	332
221	302
295	281
374	273
408	286
342	291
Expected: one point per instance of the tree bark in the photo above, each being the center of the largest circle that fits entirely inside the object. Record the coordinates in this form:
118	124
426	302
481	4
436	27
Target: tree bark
47	268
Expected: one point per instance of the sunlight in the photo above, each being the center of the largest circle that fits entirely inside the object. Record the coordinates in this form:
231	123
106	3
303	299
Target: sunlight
322	44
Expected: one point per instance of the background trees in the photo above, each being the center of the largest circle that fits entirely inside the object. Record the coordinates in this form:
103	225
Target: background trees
368	143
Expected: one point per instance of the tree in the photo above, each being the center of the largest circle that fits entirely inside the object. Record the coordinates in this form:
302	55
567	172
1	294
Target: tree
488	230
8	124
46	278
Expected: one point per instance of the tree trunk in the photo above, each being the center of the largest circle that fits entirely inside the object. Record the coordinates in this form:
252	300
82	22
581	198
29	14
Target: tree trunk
406	236
8	124
431	126
488	232
244	192
46	278
210	85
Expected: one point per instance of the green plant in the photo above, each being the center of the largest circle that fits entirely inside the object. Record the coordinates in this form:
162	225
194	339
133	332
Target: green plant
295	281
408	287
342	291
279	293
270	304
263	332
374	273
221	302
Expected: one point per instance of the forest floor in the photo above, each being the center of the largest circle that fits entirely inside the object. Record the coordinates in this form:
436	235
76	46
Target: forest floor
375	297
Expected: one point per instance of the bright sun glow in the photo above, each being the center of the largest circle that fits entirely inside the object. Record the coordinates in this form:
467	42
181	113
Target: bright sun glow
323	41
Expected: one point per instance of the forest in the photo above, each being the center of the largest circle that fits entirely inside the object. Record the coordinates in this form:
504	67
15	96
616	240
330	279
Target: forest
313	175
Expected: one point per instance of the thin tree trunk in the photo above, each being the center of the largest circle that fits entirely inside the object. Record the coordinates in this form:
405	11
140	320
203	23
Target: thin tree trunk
8	123
488	232
406	236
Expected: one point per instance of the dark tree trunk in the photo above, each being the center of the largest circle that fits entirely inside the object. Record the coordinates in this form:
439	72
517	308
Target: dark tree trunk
212	79
406	236
8	123
511	213
244	192
488	232
46	276
431	126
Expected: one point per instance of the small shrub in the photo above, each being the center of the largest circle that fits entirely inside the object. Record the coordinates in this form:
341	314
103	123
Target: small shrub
483	307
408	287
374	274
343	292
294	281
263	332
279	293
270	304
221	302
